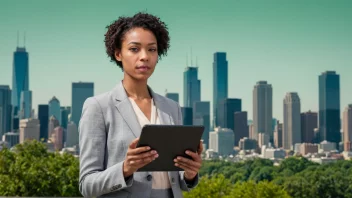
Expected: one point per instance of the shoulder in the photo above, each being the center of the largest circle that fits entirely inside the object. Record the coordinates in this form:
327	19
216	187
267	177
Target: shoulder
99	102
169	102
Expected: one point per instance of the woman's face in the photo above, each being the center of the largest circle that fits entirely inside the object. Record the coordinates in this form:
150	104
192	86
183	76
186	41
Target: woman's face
138	54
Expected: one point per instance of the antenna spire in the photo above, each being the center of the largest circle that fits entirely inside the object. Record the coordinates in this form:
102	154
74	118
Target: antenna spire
191	58
18	37
24	39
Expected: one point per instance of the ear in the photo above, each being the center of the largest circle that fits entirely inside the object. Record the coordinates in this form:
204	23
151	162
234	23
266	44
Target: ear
117	54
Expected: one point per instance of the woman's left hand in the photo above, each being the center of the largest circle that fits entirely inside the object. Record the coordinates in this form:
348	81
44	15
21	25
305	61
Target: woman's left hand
190	166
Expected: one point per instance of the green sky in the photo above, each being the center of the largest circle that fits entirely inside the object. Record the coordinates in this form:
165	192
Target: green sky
287	43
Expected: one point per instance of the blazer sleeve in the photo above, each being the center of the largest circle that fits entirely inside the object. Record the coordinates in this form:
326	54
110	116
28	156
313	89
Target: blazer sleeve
183	184
94	180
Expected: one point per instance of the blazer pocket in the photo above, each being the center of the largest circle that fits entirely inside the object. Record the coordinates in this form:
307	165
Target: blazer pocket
121	193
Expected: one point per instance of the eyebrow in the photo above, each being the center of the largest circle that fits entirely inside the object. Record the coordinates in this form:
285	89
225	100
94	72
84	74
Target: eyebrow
137	43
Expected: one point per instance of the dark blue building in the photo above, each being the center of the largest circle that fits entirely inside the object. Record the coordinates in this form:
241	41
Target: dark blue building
20	78
226	112
191	86
43	117
64	121
187	114
5	110
220	81
80	92
329	107
173	96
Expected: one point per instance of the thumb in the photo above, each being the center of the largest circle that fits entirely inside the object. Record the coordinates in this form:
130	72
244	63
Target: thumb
134	143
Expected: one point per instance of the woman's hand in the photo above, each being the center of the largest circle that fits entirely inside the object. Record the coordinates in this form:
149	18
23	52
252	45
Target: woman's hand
190	166
136	158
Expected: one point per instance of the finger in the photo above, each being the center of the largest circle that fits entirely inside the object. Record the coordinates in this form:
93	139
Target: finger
186	168
135	162
143	155
200	148
140	162
188	162
134	143
194	156
191	168
137	151
145	161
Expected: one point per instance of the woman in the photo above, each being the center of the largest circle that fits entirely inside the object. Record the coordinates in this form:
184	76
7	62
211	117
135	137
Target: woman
111	122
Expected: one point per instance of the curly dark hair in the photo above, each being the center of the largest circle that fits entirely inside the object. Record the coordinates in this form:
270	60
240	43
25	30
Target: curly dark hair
117	29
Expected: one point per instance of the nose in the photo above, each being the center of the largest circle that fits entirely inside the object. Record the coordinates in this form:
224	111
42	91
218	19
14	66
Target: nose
144	55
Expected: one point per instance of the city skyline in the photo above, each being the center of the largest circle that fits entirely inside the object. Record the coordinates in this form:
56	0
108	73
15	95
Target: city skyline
278	47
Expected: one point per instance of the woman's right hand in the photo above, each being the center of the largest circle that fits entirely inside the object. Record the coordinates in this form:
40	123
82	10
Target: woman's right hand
136	158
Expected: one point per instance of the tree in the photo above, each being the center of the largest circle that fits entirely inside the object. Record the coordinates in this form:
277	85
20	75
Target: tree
251	189
30	170
208	187
296	164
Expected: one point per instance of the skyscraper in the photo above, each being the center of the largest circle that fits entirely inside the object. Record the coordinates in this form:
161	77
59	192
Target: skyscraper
226	112
172	96
241	126
201	116
64	116
220	81
64	121
292	121
329	107
191	86
72	134
53	123
54	109
262	109
221	141
58	138
309	122
20	76
29	129
26	105
347	128
43	117
278	134
11	138
80	92
187	115
5	109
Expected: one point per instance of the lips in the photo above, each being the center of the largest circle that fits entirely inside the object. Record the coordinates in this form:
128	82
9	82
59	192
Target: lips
143	68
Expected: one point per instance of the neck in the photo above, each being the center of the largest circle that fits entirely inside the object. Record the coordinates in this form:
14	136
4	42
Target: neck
136	89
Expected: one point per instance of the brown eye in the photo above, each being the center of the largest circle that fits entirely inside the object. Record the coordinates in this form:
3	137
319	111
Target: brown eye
153	50
134	49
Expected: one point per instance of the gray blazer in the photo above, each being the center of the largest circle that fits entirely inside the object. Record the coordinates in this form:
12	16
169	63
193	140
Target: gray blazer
108	125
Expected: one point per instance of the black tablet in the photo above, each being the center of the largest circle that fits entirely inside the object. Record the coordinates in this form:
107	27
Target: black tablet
169	141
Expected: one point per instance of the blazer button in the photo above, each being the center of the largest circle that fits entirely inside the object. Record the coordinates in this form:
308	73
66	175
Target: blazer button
172	180
149	177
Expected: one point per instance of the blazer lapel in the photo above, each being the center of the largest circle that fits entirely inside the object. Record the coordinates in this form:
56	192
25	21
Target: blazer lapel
126	111
161	107
125	108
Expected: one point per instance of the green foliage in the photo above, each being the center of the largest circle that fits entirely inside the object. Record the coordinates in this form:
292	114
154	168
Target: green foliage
29	170
263	189
209	187
219	186
297	176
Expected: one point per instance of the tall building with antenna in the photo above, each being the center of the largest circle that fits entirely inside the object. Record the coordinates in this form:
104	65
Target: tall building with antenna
191	85
20	75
